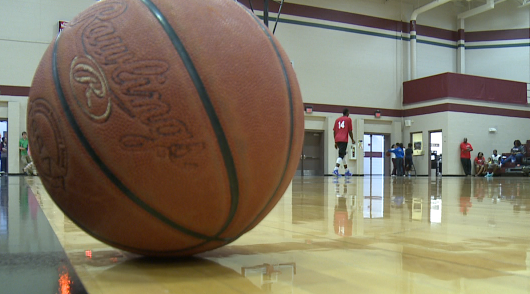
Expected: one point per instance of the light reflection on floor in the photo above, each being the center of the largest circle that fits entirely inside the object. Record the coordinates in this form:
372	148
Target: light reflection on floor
329	235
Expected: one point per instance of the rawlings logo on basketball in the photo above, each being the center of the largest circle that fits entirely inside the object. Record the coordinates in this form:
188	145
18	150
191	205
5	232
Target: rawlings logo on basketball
104	11
90	88
132	84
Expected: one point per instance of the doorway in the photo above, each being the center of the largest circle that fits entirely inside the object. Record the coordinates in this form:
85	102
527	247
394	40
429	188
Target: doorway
3	134
435	152
312	157
374	154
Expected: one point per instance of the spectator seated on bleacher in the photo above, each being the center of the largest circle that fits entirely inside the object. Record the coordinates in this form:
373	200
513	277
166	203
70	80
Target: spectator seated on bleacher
518	152
480	165
493	163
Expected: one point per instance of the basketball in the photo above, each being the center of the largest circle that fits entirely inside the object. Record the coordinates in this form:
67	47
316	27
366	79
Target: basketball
165	128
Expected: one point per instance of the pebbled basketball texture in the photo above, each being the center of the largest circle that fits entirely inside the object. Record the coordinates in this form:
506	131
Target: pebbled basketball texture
165	128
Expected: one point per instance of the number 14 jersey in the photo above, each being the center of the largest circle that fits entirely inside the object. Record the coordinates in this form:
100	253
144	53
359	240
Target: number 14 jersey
342	128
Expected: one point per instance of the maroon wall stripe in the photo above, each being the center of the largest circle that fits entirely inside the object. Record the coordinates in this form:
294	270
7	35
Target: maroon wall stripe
14	91
515	34
373	154
388	24
355	110
437	33
353	19
486	110
328	14
461	34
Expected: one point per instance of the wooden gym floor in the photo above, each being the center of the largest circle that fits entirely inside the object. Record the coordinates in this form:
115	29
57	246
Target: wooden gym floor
326	235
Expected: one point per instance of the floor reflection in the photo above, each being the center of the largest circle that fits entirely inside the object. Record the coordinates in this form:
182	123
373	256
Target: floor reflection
31	258
326	235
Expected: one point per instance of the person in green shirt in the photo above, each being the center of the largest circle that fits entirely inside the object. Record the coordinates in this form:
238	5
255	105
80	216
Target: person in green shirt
24	156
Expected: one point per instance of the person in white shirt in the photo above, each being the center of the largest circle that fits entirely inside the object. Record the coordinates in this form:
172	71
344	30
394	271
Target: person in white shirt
494	164
393	158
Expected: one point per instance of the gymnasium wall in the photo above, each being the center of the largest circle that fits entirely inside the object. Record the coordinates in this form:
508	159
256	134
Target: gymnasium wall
501	48
27	28
337	63
506	15
343	67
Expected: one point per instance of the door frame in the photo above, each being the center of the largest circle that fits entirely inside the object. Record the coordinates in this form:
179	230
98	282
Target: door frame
386	145
430	150
321	155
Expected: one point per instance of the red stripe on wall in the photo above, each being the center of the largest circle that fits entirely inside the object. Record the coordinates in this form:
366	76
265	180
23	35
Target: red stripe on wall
353	19
424	110
461	34
14	91
516	34
437	33
466	109
373	154
388	24
355	110
328	14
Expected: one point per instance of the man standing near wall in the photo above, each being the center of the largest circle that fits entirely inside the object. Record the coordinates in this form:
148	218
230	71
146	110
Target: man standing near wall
465	156
342	128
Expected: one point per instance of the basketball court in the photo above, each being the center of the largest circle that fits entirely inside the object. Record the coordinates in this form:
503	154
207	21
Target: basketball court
366	233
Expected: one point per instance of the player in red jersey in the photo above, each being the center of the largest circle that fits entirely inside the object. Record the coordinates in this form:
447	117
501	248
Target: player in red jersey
342	128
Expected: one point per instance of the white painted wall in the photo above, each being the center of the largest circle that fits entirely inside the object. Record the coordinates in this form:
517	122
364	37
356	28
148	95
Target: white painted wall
424	124
27	27
433	60
502	63
505	16
343	68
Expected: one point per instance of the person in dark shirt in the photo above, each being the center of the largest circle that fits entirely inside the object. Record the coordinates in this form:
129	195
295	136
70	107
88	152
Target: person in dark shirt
408	159
518	152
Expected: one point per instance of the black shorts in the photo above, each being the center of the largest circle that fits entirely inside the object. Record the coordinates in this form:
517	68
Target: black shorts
408	161
342	148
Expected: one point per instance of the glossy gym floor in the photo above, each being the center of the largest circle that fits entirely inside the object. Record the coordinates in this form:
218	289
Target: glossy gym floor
327	235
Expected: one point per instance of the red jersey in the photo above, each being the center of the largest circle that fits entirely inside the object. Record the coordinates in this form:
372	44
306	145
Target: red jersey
343	126
464	153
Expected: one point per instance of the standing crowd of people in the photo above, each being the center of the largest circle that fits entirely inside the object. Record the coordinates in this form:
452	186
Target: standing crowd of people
27	165
401	159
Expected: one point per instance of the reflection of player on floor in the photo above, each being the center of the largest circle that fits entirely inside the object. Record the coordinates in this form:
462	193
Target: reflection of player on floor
342	128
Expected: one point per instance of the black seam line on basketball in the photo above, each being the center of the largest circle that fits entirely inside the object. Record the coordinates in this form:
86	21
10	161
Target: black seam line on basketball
106	170
291	108
208	107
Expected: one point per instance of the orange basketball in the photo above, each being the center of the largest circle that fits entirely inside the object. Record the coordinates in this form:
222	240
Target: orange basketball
165	128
